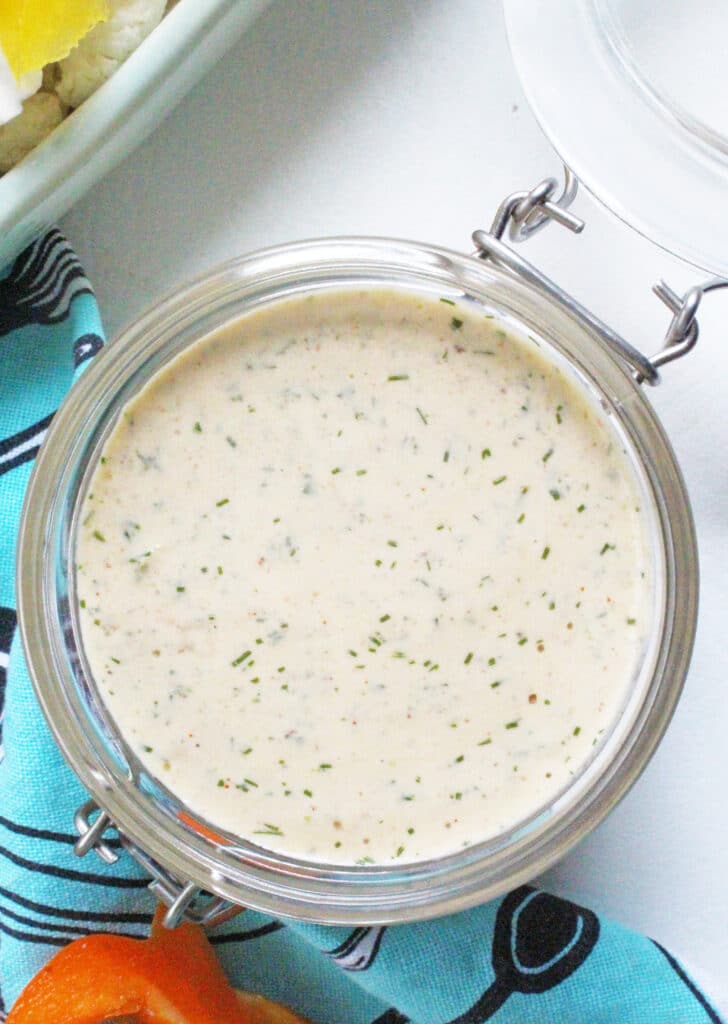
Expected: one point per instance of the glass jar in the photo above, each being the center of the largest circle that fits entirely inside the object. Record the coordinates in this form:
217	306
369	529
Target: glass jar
187	855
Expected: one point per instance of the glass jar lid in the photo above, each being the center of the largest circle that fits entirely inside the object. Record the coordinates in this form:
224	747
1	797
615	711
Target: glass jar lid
632	97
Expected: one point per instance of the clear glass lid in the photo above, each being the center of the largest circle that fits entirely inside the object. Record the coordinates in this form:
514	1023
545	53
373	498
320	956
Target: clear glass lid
632	95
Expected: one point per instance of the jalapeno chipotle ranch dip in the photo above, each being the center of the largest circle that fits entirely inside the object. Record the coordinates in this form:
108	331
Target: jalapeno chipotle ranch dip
363	577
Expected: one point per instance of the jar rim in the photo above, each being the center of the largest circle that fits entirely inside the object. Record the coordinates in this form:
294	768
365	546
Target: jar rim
242	873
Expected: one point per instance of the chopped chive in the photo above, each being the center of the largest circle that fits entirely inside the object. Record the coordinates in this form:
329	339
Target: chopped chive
499	480
512	725
545	553
486	453
449	302
269	830
99	536
221	502
556	495
385	618
421	415
547	456
197	427
241	658
398	376
468	658
456	323
580	508
608	547
336	470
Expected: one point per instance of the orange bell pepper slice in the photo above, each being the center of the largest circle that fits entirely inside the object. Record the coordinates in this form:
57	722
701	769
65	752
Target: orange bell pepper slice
173	977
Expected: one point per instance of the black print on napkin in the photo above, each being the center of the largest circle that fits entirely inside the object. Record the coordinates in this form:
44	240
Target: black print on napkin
359	950
42	283
8	621
538	942
85	348
23	446
391	1016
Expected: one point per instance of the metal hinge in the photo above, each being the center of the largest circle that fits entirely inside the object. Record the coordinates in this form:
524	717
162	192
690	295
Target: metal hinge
185	901
523	213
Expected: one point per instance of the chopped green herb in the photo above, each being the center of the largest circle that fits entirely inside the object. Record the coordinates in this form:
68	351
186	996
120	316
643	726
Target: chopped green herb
468	658
99	536
197	427
456	323
545	553
221	502
421	415
499	480
398	376
269	830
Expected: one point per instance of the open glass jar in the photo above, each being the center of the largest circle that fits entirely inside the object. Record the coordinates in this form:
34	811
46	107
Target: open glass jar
189	857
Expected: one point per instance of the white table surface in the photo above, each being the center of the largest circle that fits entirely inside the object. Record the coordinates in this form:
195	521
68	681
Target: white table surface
405	118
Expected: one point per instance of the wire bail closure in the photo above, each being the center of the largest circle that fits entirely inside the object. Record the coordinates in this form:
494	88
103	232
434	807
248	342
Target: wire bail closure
524	213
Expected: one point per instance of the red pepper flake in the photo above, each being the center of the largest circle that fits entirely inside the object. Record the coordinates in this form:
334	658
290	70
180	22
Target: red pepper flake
532	698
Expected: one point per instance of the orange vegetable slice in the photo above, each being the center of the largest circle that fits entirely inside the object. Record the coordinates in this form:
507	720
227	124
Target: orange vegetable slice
34	33
173	977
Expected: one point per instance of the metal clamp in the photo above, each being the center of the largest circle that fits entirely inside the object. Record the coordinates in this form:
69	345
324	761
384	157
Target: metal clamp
185	901
524	213
91	833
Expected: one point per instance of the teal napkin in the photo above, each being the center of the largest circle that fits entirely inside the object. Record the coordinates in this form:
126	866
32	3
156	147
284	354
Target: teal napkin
529	957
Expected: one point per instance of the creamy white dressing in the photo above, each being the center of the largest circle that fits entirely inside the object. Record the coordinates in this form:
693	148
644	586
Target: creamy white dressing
362	577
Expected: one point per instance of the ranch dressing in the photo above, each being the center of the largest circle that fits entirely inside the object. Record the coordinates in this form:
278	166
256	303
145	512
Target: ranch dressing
362	577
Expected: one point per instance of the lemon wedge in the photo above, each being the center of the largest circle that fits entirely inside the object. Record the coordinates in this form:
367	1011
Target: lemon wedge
34	33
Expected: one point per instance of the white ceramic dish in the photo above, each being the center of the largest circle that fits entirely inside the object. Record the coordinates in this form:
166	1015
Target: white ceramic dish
120	115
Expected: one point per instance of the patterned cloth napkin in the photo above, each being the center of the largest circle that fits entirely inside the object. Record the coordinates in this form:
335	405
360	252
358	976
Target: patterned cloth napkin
530	957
